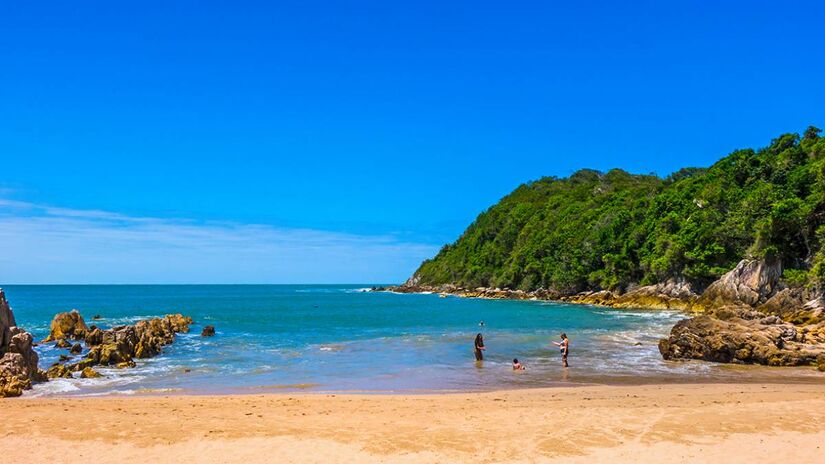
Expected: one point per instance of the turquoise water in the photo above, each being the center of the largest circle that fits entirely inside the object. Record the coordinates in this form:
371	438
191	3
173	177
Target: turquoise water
341	338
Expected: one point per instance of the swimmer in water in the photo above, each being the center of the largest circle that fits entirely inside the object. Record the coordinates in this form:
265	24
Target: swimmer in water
517	366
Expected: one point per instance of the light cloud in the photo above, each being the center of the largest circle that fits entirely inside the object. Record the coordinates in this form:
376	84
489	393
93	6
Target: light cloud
47	244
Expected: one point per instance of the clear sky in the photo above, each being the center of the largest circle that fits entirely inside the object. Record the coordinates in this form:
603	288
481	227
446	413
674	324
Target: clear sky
282	142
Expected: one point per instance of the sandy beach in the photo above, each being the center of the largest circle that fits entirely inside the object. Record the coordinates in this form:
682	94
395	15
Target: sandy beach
667	423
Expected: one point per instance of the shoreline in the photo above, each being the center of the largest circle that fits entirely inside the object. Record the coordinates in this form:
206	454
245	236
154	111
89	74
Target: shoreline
651	423
281	391
792	376
602	298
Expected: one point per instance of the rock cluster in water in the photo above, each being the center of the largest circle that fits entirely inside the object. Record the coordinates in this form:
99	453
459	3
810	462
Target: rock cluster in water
118	346
18	360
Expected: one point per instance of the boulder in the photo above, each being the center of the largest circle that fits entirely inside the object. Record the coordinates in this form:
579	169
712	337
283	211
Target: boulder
796	305
63	343
18	360
208	331
94	336
750	283
110	354
671	294
82	364
76	349
14	377
743	337
178	322
600	298
89	373
68	325
59	371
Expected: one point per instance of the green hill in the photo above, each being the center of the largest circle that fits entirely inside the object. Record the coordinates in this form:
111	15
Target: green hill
609	230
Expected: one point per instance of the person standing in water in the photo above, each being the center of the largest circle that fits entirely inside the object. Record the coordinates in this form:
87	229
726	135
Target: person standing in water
564	347
479	347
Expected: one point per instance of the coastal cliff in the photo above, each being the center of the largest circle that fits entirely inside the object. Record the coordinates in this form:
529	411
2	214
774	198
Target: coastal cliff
741	243
18	360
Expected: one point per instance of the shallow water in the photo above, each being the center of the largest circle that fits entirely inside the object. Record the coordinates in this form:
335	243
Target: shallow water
340	338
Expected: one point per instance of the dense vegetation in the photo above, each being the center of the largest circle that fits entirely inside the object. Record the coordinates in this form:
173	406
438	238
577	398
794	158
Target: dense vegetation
609	230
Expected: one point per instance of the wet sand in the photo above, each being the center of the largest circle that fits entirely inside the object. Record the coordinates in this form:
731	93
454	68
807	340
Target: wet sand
652	423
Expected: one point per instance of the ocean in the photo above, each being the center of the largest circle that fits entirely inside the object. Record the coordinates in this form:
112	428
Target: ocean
342	338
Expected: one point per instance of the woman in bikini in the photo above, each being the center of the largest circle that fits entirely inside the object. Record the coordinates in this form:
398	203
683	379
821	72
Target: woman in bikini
479	347
564	347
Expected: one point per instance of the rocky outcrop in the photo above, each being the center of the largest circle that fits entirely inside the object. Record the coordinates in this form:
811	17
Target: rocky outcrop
796	305
67	326
6	320
600	298
18	360
120	345
746	336
208	331
751	283
671	294
749	317
117	346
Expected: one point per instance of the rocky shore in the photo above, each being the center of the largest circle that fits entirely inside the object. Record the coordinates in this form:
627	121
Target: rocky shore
672	294
118	346
746	316
18	360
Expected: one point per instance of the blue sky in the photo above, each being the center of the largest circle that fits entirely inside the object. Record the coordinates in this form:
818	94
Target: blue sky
346	141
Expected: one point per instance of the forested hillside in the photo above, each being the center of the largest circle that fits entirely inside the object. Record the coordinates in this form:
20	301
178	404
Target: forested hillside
609	230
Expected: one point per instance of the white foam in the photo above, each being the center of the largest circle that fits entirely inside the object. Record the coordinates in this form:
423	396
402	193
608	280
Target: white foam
357	290
53	387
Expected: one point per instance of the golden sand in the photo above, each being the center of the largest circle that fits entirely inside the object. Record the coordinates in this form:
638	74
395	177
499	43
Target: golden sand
663	424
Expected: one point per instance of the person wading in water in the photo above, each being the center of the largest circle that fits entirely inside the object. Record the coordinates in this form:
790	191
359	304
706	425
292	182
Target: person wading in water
564	347
479	347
